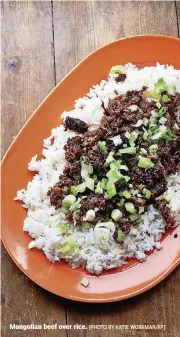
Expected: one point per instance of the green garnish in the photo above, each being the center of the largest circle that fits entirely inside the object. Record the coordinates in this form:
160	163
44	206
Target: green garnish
114	175
147	193
161	85
119	235
77	205
141	209
175	126
153	149
158	104
86	170
68	247
90	183
128	150
115	165
165	99
68	200
99	189
116	214
110	158
104	183
78	189
130	207
133	107
125	194
85	282
145	163
110	189
83	159
63	227
102	146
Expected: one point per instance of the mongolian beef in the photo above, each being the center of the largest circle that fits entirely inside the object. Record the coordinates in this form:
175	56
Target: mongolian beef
119	169
109	185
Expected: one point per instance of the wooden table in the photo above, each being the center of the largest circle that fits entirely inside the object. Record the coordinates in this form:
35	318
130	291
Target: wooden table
41	42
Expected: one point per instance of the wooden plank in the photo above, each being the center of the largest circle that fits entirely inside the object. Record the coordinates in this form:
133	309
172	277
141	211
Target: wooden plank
178	15
27	77
80	28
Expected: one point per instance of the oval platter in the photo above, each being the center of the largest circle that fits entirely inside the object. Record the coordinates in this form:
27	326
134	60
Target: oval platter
134	278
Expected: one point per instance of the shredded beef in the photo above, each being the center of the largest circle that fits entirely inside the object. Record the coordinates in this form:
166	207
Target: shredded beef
120	117
120	78
75	124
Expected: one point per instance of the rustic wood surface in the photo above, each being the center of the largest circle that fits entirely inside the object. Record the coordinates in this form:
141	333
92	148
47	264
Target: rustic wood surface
41	42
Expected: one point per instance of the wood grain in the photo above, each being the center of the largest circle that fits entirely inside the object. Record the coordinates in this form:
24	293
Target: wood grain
178	15
27	77
41	42
81	27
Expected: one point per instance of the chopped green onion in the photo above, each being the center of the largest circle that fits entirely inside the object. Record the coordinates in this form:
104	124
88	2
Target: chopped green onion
162	111
78	189
102	146
68	200
175	126
158	104
115	165
104	183
147	193
165	99
90	215
85	282
130	207
111	189
77	205
133	107
124	167
83	159
119	235
116	214
98	188
125	194
69	246
161	85
86	170
162	120
63	227
126	178
110	158
154	94
90	183
145	162
128	150
153	149
141	209
114	175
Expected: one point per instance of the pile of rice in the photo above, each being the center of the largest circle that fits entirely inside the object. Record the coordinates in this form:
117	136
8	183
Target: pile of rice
93	252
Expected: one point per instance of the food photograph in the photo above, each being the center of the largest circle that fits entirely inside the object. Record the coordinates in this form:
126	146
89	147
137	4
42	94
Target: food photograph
90	196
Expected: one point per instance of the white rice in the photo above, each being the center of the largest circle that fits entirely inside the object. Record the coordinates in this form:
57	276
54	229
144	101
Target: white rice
41	222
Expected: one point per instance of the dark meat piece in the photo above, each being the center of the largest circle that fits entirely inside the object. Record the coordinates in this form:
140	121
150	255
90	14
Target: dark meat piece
92	137
159	189
97	159
148	178
120	78
56	195
170	156
73	149
75	124
125	226
94	201
162	206
73	169
138	202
